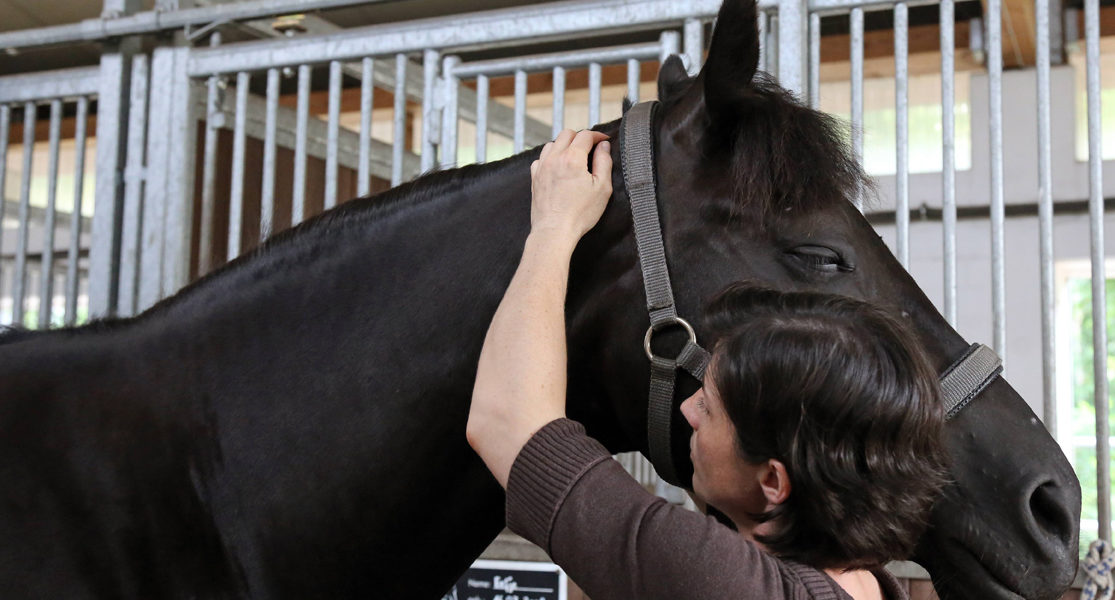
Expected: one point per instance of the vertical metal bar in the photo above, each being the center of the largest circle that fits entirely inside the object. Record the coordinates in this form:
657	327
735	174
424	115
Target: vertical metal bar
520	109
367	104
449	117
213	121
430	118
1045	217
239	141
671	44
333	135
132	228
270	130
482	118
815	61
857	92
46	279
19	288
902	125
595	79
112	111
764	51
73	258
772	42
302	119
948	165
559	102
633	76
178	169
694	32
791	34
1099	274
5	131
398	140
998	206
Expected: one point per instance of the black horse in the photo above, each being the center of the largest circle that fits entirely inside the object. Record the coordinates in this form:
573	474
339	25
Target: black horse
293	425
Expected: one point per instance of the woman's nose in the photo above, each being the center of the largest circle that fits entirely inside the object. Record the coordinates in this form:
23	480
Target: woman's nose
689	410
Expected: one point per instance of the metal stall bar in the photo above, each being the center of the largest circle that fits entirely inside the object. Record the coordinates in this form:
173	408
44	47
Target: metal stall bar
791	35
131	228
1045	218
239	142
764	51
902	126
482	117
815	61
46	278
670	42
168	192
843	6
20	282
772	43
857	92
595	80
559	101
298	203
367	104
267	183
542	62
998	206
112	110
487	29
73	257
520	109
948	164
331	168
5	131
209	166
398	138
633	81
694	32
430	119
449	126
1099	274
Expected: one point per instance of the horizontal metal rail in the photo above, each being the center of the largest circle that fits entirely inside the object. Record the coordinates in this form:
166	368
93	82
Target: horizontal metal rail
154	21
502	28
59	84
542	62
825	7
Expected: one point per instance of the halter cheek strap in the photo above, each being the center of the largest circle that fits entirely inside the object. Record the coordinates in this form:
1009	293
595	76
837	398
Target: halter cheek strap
637	151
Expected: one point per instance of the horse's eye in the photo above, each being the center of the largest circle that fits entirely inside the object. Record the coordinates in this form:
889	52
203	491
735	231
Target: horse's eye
821	258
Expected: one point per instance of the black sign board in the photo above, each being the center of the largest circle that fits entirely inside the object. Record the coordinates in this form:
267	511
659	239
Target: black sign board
510	580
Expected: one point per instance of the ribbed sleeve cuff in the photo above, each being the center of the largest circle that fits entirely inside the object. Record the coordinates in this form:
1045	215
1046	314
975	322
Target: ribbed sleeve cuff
542	475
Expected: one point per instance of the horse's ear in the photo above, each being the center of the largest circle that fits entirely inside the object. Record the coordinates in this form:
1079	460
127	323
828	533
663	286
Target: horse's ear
672	76
732	59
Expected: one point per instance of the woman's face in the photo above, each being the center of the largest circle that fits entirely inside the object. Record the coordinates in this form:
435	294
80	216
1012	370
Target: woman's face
721	477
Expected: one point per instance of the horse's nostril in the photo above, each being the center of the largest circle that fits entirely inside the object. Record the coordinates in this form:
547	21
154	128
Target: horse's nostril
1050	512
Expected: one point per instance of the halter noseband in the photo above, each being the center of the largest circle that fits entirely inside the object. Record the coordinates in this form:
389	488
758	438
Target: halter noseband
960	383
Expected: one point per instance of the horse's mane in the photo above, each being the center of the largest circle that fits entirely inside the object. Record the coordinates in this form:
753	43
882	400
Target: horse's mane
13	334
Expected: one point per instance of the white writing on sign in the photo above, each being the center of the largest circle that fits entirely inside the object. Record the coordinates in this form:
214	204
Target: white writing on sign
507	584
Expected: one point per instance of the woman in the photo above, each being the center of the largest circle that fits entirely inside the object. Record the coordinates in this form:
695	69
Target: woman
817	432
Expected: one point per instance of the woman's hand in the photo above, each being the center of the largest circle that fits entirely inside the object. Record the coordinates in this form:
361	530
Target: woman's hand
567	199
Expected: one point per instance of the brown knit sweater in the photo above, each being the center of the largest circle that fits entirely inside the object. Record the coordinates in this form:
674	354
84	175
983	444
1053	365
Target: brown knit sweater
617	541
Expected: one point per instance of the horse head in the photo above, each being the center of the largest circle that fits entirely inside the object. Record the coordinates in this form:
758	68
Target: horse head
752	185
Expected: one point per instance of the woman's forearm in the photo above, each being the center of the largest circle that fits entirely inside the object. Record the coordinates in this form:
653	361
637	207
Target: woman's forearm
521	377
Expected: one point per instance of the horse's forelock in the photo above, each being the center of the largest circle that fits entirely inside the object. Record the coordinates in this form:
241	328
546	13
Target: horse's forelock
785	156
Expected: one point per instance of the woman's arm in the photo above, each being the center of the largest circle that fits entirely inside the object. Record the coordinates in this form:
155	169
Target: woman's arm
520	380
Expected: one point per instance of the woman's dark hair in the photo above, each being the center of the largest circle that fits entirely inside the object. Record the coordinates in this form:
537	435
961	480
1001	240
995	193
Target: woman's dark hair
839	393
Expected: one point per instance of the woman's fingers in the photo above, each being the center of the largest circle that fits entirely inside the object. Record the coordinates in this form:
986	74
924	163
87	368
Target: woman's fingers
586	139
561	142
602	164
546	150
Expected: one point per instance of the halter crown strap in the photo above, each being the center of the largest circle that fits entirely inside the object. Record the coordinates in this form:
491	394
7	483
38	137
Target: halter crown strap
968	376
637	154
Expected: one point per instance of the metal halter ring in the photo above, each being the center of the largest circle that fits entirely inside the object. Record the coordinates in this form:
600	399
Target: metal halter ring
662	325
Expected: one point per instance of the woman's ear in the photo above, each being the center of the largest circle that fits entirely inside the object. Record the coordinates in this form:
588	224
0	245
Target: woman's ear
775	482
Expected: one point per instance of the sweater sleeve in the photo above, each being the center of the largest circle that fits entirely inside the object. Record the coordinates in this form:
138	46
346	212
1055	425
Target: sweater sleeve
618	541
